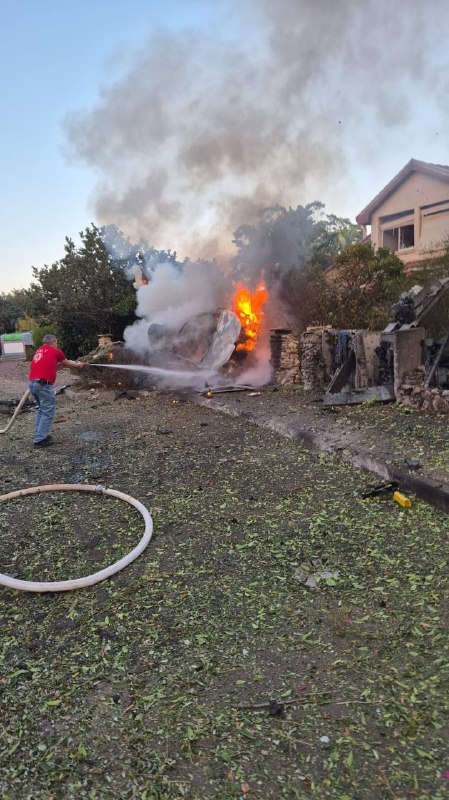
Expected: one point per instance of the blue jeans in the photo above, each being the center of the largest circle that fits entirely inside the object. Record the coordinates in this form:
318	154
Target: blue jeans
46	409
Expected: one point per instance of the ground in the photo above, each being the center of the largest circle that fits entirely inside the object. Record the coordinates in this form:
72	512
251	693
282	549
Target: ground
208	669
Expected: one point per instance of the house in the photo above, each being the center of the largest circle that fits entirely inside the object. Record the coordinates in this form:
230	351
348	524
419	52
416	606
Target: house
411	213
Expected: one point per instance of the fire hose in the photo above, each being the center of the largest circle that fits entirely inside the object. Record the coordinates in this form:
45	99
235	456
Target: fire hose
96	577
17	411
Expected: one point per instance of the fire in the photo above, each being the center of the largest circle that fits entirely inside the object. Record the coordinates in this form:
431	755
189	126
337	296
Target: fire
248	308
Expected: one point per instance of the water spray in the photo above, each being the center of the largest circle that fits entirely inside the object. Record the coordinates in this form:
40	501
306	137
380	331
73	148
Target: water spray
174	377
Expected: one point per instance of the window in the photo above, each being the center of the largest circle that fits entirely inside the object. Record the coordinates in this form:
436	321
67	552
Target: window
399	238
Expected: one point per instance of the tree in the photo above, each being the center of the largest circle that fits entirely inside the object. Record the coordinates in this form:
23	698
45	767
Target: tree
333	235
13	307
134	258
357	293
291	239
82	295
362	287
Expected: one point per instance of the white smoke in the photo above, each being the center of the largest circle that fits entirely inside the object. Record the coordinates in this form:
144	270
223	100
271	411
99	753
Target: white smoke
174	296
260	371
202	131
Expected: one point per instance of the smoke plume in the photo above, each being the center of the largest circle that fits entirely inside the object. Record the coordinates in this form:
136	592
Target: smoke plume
172	298
202	131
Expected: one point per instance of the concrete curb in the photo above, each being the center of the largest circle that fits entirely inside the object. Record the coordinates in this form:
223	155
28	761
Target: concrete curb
434	492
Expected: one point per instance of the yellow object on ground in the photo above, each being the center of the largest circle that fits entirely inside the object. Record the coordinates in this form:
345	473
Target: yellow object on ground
402	499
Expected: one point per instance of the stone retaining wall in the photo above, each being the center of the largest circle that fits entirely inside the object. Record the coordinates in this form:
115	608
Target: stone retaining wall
285	357
312	361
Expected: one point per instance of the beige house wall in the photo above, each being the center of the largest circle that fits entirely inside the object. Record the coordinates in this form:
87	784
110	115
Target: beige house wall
415	195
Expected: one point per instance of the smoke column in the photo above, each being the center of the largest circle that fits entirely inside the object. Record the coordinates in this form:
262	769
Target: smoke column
202	131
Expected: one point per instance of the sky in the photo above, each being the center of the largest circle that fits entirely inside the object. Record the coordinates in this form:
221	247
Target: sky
178	120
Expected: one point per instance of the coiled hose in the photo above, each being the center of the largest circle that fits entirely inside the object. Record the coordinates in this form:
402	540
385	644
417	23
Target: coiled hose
96	577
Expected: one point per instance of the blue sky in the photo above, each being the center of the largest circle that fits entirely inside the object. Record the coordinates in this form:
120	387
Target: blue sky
54	55
81	59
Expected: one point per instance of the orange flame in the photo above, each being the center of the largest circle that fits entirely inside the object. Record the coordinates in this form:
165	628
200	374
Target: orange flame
248	308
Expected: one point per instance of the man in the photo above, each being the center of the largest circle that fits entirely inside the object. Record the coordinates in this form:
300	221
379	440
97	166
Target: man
44	365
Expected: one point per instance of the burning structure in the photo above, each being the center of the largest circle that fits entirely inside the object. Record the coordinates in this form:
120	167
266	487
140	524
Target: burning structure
186	338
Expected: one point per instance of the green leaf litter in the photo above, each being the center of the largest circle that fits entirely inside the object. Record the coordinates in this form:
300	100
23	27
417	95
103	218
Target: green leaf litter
206	670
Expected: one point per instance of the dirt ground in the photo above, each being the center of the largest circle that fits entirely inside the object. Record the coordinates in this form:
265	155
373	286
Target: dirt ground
211	668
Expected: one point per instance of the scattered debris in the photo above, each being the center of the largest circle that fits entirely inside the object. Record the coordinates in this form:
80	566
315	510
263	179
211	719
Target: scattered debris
222	389
312	580
412	463
380	488
403	501
275	709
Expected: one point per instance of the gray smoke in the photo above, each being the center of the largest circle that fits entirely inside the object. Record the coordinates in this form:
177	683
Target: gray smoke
201	132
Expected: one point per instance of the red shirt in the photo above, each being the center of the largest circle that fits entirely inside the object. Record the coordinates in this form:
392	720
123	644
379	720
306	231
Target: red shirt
44	363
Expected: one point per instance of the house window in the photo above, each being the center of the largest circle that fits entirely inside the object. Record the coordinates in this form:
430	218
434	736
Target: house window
399	238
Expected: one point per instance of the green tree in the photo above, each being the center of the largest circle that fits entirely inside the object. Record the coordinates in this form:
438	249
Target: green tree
13	306
82	295
332	236
356	293
291	239
362	286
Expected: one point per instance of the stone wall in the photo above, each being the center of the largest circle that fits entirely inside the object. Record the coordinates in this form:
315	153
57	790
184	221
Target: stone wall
312	360
285	357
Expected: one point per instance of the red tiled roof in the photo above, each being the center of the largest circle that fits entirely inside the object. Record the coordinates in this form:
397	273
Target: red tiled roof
434	170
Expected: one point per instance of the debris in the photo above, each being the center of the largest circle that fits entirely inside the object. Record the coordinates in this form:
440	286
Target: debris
304	577
312	581
402	500
254	394
412	463
225	389
380	488
275	709
324	739
289	701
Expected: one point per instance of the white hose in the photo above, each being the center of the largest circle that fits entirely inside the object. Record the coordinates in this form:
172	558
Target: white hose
89	580
17	411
